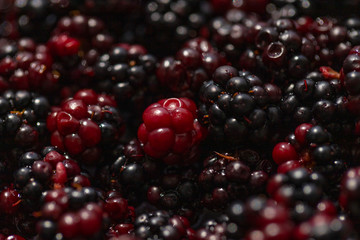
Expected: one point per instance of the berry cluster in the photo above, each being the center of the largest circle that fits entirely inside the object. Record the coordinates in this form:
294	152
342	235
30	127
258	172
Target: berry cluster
179	119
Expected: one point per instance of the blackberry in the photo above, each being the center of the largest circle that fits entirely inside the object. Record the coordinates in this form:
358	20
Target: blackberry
171	131
128	72
176	190
129	171
233	32
193	64
86	124
315	149
71	211
296	8
299	190
23	119
36	19
25	65
177	21
161	225
225	178
319	100
237	107
40	171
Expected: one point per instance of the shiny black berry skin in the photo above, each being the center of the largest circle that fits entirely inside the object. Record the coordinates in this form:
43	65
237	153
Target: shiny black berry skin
238	107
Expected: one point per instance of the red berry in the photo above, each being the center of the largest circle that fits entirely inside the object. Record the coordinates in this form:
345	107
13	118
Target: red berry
300	132
9	201
283	152
170	129
69	225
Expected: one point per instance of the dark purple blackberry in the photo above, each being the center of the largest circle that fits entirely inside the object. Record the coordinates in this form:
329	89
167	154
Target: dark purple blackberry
249	220
193	64
320	100
177	21
278	52
72	213
25	65
315	8
49	169
233	32
351	79
299	190
36	19
319	152
295	8
23	119
177	191
225	178
128	72
238	107
128	170
161	225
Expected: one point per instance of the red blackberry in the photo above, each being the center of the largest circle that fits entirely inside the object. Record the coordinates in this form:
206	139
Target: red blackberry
85	124
237	107
192	65
79	213
50	169
225	178
24	65
171	131
23	117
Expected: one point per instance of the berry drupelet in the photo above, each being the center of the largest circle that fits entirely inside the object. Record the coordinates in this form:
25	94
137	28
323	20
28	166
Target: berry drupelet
161	225
85	124
237	107
192	65
23	118
171	131
225	178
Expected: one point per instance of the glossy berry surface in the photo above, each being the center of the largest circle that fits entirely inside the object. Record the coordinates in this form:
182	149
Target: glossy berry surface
171	130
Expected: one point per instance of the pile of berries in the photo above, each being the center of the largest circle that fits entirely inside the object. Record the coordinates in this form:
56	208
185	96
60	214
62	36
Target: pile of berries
179	120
